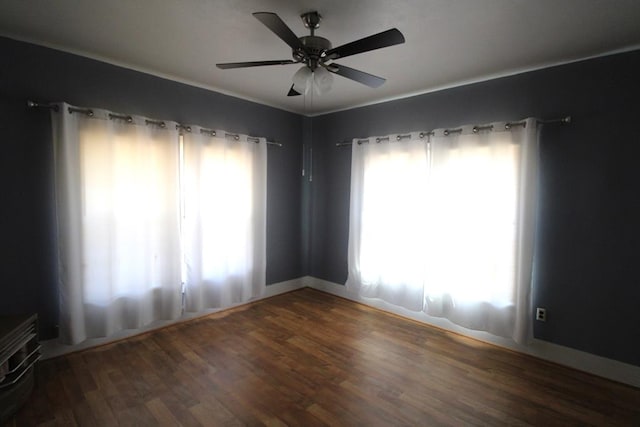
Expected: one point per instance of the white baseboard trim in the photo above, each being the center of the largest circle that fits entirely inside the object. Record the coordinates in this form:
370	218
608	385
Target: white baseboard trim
53	348
587	362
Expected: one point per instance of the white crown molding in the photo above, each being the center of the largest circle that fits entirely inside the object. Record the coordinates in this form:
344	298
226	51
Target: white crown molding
171	77
139	69
479	79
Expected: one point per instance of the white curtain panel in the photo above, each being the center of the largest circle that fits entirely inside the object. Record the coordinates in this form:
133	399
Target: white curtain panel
225	186
460	235
117	199
387	227
482	218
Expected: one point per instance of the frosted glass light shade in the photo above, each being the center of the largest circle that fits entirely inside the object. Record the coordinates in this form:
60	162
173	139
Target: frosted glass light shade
302	80
320	80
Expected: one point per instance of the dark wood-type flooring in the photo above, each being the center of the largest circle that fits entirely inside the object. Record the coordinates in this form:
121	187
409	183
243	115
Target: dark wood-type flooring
308	358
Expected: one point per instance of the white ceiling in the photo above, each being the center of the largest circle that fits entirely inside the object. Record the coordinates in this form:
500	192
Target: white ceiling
448	42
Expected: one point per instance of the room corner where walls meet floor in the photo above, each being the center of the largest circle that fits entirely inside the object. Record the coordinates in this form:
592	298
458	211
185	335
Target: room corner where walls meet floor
596	365
576	359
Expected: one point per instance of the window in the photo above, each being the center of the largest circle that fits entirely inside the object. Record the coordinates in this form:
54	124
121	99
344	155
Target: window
144	216
445	225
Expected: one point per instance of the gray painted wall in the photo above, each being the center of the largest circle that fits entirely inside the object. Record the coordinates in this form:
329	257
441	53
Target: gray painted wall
589	217
28	274
589	232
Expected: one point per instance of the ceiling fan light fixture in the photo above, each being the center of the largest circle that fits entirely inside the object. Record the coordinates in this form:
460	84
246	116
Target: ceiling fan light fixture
302	80
322	80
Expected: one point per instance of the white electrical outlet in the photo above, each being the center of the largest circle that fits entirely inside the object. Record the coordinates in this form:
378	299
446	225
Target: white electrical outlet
541	314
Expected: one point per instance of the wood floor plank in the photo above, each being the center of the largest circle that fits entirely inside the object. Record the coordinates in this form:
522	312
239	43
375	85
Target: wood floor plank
161	413
100	408
177	410
309	358
210	415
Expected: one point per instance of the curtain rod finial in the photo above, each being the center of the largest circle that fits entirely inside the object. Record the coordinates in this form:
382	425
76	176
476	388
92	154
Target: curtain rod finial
33	104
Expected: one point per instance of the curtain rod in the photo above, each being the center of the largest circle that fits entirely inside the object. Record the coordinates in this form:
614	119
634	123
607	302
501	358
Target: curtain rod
129	119
447	132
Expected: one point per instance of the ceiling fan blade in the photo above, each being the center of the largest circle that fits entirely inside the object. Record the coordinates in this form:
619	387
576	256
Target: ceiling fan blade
357	75
229	65
293	92
384	39
277	25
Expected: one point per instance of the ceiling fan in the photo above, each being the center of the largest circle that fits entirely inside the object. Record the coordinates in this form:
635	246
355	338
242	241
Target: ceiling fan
317	54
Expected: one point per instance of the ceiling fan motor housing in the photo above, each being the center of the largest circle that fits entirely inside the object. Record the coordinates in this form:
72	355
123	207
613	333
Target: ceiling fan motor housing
314	46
